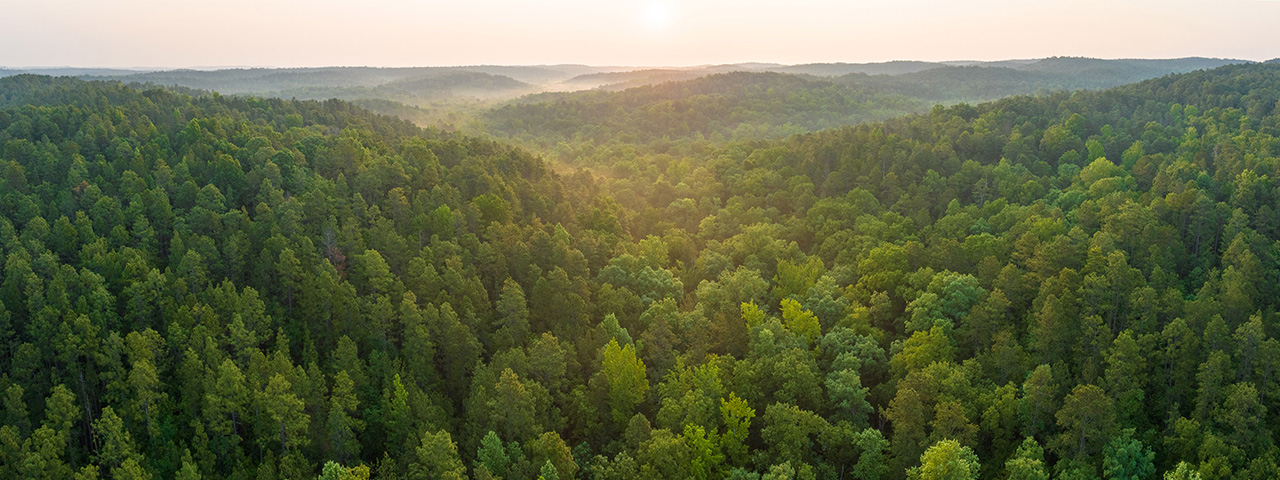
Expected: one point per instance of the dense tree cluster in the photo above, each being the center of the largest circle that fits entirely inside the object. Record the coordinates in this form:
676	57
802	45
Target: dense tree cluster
1070	286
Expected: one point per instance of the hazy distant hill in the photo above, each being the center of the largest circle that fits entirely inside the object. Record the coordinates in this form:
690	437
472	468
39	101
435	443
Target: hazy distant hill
725	106
1113	72
981	82
633	78
409	85
839	69
417	90
1065	72
69	71
262	80
1121	70
954	84
770	104
1015	64
252	80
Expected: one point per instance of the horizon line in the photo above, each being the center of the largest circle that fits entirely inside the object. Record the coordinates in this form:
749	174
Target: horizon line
150	69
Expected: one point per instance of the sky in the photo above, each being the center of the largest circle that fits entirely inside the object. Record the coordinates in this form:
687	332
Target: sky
295	33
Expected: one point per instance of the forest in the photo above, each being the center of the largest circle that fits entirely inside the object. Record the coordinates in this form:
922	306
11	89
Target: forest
1073	285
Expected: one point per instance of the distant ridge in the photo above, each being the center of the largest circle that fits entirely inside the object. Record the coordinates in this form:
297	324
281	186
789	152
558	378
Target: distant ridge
897	67
1132	67
70	71
768	104
264	80
634	78
1051	64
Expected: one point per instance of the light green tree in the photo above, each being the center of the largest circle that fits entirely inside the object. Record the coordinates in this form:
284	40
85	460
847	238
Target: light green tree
800	321
737	417
1028	462
626	380
548	472
437	459
946	460
1183	471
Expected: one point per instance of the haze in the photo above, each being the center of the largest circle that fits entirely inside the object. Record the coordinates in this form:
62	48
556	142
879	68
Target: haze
166	33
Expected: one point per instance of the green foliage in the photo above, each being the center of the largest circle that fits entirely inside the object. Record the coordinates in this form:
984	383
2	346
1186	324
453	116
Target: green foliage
335	471
436	457
1182	472
737	427
705	456
793	279
625	380
752	315
790	432
343	428
1125	458
946	460
800	322
512	317
493	455
1087	420
548	472
1028	462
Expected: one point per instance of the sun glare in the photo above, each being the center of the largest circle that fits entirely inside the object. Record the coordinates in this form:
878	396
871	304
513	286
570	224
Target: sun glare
656	16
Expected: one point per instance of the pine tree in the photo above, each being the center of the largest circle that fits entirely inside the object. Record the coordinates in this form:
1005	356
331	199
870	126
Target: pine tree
344	430
1028	462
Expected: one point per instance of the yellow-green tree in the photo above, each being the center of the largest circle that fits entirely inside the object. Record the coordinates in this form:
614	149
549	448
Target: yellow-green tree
625	379
946	460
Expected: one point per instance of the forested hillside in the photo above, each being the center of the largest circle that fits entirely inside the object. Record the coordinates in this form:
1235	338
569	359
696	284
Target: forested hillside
419	90
691	112
258	81
1101	72
1074	285
729	106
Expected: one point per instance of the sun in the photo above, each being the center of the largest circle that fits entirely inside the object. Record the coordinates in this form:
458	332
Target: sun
656	16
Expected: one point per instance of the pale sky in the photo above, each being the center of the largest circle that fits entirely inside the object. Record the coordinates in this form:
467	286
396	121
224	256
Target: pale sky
286	33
